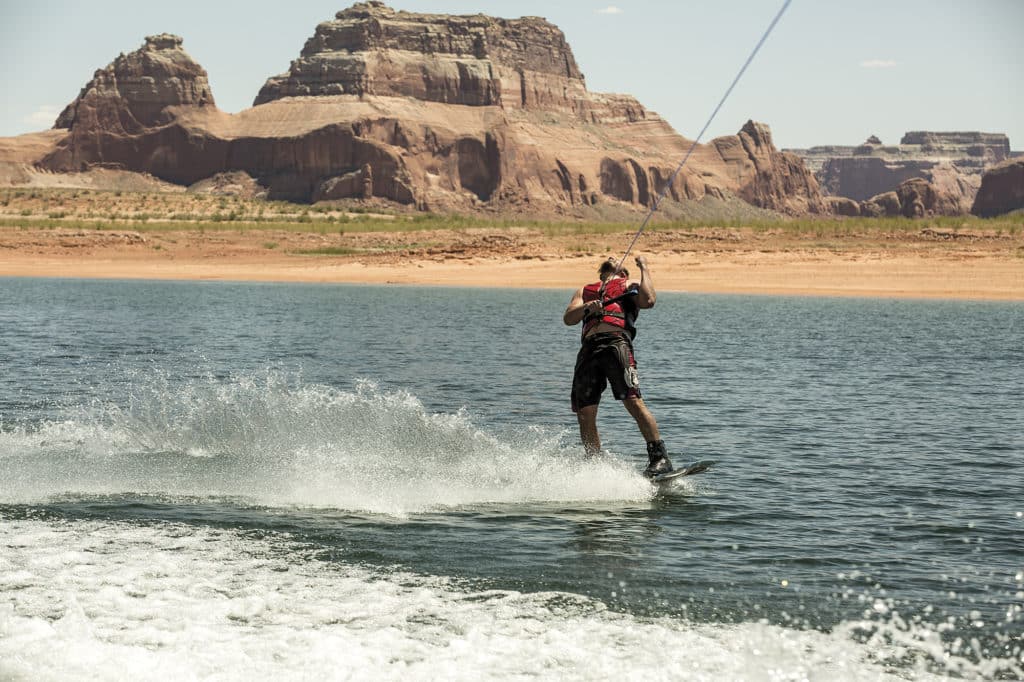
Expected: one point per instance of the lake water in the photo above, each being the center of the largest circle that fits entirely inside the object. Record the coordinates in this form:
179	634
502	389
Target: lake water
248	481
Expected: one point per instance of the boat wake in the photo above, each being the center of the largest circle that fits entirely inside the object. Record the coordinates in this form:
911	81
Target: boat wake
265	606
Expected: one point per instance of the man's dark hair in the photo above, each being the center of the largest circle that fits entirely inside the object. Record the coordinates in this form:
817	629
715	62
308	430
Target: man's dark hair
608	267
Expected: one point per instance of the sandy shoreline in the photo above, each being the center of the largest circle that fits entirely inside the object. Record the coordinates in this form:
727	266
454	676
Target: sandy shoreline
953	273
900	278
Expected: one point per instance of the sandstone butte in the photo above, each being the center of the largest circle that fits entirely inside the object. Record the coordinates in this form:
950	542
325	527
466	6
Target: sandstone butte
433	111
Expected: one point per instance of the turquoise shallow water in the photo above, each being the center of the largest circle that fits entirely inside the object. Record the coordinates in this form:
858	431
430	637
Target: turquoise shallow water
276	480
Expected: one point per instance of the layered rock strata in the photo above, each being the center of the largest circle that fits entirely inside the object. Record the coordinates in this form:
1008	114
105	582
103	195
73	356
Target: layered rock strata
995	146
435	111
370	49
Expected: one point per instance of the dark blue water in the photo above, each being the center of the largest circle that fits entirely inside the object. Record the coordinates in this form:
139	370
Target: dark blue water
868	490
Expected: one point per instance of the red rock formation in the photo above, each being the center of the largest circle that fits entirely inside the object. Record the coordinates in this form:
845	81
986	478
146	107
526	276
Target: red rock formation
134	95
134	91
917	197
370	49
437	111
842	206
914	198
230	184
954	190
769	178
886	204
1002	190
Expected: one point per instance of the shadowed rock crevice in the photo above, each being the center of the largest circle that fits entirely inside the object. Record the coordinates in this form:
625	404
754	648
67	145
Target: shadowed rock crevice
643	196
479	166
617	181
565	179
659	182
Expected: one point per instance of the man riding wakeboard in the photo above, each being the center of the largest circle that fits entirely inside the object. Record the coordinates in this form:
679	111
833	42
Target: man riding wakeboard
608	309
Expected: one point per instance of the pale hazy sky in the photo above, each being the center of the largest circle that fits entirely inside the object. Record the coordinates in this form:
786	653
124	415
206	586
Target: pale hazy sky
833	72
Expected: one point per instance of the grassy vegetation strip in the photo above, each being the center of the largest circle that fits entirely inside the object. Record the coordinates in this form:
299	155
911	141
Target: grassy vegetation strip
91	209
819	227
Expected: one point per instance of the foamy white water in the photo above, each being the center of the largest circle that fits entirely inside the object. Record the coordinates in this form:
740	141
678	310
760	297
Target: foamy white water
109	601
277	444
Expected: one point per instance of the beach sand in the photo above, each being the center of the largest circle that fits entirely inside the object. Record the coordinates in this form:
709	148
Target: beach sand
925	265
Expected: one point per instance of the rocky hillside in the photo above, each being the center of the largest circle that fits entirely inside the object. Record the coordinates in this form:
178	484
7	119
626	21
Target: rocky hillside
434	111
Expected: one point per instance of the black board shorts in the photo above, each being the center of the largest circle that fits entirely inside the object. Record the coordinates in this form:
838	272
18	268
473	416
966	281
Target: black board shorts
604	358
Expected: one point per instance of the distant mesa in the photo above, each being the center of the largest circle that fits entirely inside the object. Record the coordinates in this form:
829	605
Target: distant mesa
370	49
952	163
977	142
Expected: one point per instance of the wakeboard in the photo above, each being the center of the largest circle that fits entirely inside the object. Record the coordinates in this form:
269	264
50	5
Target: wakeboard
688	470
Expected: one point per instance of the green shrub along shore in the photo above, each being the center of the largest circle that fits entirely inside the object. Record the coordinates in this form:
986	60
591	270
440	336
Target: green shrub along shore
81	209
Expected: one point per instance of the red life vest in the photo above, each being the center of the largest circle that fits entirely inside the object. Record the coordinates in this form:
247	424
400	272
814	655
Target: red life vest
621	314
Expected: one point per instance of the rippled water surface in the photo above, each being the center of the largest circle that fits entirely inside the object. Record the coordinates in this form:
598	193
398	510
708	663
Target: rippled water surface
244	481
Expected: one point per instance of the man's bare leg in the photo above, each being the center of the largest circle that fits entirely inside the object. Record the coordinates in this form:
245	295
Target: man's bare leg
644	419
658	462
587	417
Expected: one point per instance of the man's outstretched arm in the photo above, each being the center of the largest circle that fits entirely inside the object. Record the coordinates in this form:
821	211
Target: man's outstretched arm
647	296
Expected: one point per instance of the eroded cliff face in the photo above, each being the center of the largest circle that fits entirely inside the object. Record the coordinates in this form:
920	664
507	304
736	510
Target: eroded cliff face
436	111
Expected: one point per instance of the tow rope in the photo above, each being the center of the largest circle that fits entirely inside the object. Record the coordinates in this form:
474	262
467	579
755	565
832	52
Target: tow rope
672	178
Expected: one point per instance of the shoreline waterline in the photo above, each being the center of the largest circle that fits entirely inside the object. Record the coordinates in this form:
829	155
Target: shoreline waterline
858	276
